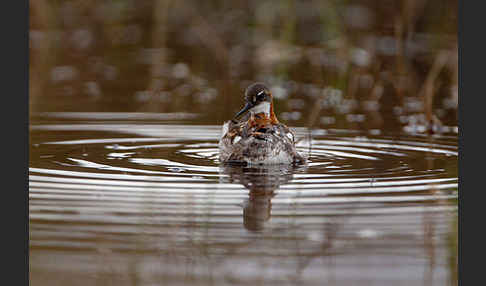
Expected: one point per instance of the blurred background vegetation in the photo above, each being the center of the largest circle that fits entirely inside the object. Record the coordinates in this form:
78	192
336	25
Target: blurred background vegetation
373	65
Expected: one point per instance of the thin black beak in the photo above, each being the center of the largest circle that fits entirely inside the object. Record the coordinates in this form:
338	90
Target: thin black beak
242	111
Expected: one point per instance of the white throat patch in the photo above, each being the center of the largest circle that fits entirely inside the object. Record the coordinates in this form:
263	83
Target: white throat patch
262	107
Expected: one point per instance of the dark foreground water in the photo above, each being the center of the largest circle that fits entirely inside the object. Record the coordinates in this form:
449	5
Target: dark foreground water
140	199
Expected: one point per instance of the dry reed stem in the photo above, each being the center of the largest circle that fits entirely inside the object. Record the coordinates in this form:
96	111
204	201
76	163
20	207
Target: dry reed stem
39	67
158	58
428	87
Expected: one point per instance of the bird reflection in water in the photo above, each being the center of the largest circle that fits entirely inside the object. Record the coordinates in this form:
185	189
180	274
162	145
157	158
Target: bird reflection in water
262	182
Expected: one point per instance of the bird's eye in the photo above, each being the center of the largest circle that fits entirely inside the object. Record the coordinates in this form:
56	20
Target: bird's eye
261	95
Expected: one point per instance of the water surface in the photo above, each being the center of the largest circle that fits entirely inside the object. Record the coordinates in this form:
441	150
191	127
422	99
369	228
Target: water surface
141	199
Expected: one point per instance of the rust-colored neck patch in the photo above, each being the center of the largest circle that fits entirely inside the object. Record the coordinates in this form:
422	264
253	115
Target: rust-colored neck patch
262	119
273	118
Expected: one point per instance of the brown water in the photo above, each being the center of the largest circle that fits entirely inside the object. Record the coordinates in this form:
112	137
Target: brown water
127	99
144	201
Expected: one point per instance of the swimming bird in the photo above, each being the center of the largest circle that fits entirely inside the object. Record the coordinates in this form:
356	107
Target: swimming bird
260	138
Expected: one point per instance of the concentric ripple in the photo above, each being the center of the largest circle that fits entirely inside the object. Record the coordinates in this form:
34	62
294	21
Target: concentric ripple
134	195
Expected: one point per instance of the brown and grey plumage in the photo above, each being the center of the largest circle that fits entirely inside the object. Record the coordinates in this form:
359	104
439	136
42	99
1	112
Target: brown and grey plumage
261	138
